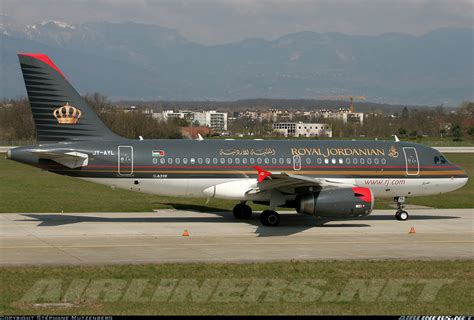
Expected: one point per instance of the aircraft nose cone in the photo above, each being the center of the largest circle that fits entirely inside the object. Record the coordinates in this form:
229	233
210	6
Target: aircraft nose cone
462	182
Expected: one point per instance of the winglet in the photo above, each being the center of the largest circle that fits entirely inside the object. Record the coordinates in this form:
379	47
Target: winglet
262	174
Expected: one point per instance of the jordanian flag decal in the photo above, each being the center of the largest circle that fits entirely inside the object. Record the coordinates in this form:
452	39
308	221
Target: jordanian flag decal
158	153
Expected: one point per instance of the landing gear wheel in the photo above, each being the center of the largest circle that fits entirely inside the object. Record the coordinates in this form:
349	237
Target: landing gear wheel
270	218
242	211
401	215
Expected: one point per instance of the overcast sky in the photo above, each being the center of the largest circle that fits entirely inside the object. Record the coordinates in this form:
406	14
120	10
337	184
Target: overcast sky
219	21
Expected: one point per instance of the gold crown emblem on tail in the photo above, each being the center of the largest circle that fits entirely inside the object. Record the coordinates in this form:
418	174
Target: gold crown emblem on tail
67	114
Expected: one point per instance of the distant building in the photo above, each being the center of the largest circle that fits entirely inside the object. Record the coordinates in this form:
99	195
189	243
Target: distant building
300	129
276	115
342	114
217	121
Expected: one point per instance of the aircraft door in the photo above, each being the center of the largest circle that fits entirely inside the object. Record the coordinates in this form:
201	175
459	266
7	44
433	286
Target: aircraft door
296	163
125	160
411	160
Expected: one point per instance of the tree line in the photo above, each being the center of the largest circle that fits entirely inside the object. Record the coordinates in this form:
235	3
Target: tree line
17	126
413	123
16	123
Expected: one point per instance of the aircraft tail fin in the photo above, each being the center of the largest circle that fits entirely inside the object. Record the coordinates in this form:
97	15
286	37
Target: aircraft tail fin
59	112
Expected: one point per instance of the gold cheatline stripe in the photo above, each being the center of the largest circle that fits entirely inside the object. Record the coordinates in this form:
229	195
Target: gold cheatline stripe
382	173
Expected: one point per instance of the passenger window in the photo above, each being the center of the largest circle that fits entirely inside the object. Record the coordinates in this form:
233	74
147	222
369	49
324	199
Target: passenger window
170	160
274	160
354	161
383	161
185	160
199	160
282	161
259	160
252	160
178	160
362	160
333	161
208	160
222	160
348	160
326	161
229	160
237	161
308	160
162	160
215	161
319	160
376	160
369	161
288	160
341	161
244	160
267	161
192	161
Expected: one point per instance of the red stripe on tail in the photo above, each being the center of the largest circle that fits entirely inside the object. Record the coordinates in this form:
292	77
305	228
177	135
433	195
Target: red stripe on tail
43	58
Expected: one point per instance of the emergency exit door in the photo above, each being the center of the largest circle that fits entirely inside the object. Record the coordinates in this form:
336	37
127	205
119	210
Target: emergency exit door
411	160
296	163
125	160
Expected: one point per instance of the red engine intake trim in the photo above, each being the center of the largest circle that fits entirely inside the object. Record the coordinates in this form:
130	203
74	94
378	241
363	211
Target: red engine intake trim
363	193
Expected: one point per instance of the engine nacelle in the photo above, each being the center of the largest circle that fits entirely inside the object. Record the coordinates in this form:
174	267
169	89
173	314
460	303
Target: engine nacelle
337	202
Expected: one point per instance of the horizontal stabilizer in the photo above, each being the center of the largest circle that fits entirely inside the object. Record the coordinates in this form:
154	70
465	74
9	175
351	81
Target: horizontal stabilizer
71	159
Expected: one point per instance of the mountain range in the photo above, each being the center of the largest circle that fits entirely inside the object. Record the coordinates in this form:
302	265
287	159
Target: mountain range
138	61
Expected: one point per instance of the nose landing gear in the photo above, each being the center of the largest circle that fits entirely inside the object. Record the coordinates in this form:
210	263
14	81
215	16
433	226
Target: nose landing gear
401	215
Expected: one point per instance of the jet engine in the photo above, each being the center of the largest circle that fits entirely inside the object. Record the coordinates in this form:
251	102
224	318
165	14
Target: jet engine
337	202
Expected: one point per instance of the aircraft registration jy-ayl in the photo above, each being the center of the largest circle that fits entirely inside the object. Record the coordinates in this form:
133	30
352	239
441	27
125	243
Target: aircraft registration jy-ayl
334	179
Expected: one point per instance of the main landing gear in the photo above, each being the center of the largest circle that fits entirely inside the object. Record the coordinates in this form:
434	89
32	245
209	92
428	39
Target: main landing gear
401	215
242	211
269	218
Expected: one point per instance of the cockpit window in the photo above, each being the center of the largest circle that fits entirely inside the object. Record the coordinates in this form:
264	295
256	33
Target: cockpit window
439	160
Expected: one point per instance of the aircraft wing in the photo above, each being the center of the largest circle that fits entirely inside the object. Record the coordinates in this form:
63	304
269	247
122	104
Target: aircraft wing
285	182
70	159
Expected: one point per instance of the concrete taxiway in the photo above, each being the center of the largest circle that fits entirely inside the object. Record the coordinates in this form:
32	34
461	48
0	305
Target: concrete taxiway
156	237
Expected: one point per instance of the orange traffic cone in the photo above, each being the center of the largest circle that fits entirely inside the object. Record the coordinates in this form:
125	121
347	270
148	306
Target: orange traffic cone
185	233
412	230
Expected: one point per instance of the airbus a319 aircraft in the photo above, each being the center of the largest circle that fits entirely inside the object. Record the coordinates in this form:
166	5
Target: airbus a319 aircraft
334	179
